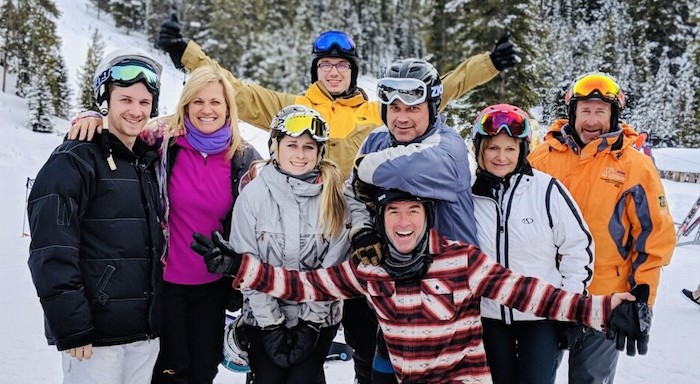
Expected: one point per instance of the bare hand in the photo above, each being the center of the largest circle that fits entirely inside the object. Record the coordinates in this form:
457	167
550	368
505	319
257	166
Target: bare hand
80	353
617	299
85	128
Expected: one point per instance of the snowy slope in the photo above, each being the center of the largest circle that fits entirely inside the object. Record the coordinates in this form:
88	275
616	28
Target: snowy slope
675	342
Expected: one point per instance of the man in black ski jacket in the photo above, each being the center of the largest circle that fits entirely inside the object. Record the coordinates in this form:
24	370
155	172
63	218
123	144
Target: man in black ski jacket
94	213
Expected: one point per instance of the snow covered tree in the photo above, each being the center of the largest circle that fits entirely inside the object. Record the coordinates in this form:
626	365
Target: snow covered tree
39	103
10	38
95	52
128	14
157	11
57	80
460	29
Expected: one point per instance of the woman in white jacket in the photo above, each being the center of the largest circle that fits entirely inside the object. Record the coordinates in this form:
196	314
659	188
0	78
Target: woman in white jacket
293	215
528	222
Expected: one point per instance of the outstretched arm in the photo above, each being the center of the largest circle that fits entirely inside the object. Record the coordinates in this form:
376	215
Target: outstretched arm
337	282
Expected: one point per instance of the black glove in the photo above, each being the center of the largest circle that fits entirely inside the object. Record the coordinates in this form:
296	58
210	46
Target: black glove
503	55
570	335
170	40
364	192
630	322
367	246
217	252
276	344
303	339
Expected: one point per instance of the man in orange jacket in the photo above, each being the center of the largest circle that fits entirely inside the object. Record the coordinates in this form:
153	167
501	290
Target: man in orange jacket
622	199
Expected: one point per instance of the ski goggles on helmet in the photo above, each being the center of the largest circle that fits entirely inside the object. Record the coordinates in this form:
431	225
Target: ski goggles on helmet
407	90
296	124
341	40
130	72
492	123
596	85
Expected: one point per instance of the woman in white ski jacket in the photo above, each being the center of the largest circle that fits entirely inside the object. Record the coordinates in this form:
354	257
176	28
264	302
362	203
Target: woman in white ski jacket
293	215
528	222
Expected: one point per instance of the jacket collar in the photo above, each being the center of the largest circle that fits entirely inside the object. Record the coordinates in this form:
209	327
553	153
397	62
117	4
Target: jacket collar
281	185
559	138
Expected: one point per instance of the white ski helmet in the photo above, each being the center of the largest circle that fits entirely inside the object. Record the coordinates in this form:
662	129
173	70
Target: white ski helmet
236	347
125	67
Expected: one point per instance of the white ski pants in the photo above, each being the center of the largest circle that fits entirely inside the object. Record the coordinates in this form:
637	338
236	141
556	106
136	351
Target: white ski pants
117	364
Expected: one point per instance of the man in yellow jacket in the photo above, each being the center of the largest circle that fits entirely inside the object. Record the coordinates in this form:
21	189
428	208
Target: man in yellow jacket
622	199
350	116
333	92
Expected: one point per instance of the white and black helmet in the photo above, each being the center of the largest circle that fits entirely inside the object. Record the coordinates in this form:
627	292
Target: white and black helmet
125	67
421	70
236	346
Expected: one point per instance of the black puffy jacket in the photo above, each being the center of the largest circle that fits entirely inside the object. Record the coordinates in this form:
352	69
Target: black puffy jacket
96	244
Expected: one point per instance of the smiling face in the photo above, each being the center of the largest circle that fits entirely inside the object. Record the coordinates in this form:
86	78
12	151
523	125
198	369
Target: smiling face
335	81
207	110
129	111
405	223
297	155
592	119
499	154
407	122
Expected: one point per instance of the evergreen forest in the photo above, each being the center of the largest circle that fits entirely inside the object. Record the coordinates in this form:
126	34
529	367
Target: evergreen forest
651	47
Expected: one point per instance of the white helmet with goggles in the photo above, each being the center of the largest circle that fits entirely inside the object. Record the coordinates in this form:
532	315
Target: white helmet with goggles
125	67
411	81
295	120
236	345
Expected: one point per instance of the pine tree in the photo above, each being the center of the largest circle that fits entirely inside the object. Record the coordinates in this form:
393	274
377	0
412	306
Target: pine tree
128	14
95	52
10	39
461	29
39	103
57	77
157	12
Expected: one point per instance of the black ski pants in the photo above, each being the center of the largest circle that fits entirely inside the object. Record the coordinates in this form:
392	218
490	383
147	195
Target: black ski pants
308	372
360	327
192	336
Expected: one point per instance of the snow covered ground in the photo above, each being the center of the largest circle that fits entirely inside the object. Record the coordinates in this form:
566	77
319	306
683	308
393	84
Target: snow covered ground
25	357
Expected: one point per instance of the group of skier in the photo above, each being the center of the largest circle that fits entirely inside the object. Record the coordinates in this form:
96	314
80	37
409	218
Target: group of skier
365	215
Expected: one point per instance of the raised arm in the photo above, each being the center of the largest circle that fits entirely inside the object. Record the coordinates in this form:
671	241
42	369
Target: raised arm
477	70
256	105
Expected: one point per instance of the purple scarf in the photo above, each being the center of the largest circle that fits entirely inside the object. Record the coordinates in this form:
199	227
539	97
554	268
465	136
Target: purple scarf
211	143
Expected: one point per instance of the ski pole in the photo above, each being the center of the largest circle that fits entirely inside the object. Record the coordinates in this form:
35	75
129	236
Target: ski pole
28	186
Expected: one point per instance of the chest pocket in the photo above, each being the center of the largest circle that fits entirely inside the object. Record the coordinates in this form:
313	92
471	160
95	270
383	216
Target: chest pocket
437	299
383	294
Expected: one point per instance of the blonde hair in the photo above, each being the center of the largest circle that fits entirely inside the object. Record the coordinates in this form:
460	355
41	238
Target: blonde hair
485	141
333	207
200	78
